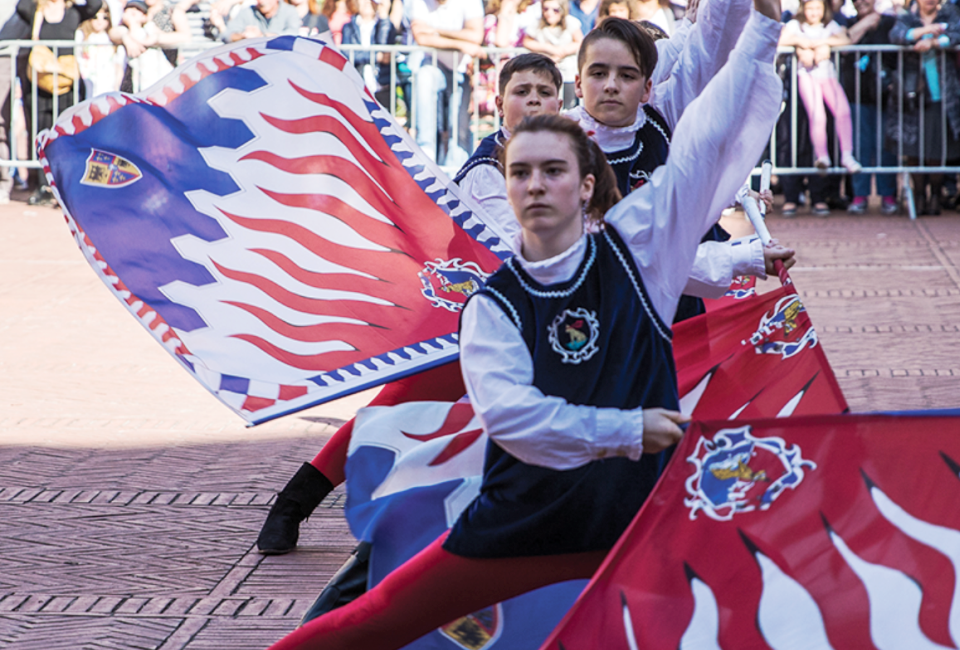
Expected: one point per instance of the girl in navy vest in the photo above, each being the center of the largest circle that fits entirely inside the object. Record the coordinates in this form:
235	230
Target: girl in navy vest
573	400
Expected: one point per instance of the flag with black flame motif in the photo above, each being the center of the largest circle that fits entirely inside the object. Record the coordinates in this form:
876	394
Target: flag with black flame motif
271	225
802	533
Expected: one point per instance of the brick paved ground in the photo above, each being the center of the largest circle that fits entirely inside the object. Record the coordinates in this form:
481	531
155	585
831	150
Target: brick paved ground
130	499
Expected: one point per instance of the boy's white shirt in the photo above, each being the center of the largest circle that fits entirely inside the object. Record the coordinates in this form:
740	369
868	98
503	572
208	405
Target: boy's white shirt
659	222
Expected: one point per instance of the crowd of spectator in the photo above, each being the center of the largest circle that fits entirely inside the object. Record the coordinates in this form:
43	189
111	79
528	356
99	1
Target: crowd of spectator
130	44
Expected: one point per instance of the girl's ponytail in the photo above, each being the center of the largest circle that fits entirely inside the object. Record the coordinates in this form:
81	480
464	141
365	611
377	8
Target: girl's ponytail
606	194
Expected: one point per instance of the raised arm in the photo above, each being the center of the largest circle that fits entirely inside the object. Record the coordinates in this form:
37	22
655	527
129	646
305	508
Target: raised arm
705	51
716	144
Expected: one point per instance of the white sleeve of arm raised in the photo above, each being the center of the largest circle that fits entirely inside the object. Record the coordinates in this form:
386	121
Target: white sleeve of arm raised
668	52
717	263
717	142
535	428
705	51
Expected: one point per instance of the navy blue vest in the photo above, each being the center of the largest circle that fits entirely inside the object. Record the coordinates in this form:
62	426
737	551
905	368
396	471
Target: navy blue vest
486	153
594	340
649	150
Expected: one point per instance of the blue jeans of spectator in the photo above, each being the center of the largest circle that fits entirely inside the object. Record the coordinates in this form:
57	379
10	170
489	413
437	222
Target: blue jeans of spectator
437	111
865	148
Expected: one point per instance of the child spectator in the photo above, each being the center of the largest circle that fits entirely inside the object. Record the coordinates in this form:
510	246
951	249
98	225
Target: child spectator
625	9
558	37
812	32
101	64
664	14
152	65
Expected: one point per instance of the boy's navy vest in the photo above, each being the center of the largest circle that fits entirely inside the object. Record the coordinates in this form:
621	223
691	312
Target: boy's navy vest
595	340
649	150
486	153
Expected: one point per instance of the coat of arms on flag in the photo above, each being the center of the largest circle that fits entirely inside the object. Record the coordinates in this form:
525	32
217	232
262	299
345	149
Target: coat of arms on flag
109	170
271	225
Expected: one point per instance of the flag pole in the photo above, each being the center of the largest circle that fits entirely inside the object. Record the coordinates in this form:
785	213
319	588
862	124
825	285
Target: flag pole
754	214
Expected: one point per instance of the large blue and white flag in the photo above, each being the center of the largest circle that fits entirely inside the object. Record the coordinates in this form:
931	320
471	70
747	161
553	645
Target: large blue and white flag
411	470
271	225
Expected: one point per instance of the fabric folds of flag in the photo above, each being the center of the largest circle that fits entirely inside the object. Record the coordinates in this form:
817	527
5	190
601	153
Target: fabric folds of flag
411	470
805	533
271	225
757	356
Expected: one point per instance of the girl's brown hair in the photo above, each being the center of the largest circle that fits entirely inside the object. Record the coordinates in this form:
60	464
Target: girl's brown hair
827	12
564	12
330	6
86	27
604	10
590	160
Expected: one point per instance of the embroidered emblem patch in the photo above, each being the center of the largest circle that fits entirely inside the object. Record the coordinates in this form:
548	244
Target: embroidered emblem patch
736	473
573	335
448	284
786	331
743	286
476	631
105	169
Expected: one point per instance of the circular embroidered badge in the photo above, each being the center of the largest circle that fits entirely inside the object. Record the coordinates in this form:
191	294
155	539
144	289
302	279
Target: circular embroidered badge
573	335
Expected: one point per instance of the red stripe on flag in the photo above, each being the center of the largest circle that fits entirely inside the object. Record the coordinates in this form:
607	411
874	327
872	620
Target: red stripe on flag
253	403
332	57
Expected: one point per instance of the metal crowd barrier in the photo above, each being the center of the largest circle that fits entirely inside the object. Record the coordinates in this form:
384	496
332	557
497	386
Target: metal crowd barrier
401	64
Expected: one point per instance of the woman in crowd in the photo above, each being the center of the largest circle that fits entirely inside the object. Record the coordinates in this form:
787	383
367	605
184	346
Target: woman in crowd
51	20
930	88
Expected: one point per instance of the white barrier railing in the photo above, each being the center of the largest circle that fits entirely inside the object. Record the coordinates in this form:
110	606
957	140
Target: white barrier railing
399	72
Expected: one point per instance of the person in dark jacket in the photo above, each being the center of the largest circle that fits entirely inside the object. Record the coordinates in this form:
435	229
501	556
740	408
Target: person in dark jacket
930	87
862	70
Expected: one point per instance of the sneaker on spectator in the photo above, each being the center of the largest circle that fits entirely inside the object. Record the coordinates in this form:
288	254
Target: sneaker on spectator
850	163
889	205
822	163
858	205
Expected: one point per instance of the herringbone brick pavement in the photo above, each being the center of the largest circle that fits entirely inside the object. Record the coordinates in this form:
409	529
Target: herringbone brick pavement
130	499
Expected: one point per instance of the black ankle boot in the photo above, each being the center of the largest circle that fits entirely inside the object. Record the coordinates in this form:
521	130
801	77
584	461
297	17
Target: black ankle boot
298	499
346	585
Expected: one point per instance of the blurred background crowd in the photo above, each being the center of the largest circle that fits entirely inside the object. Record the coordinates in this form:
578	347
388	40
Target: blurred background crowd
435	64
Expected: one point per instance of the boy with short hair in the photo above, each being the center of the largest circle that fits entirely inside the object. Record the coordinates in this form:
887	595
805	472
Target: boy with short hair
529	85
632	121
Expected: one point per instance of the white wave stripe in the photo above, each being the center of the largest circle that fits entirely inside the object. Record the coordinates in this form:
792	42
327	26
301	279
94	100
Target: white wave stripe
894	603
945	540
788	616
703	631
218	343
791	406
736	414
628	626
